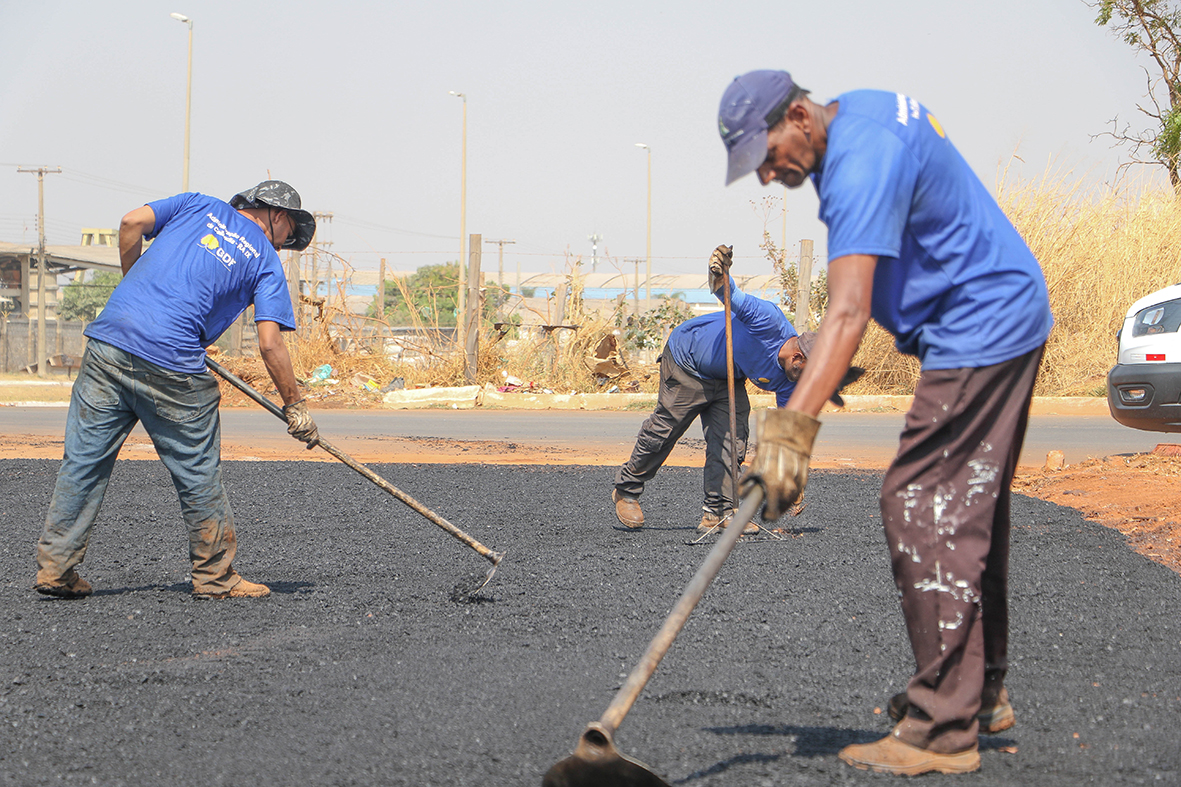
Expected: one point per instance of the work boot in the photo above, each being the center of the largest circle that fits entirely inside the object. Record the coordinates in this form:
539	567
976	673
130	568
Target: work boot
243	589
711	520
70	585
993	719
627	510
892	755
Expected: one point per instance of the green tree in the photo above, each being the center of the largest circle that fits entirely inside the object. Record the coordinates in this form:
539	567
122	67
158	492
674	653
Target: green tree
84	300
427	296
1152	27
647	331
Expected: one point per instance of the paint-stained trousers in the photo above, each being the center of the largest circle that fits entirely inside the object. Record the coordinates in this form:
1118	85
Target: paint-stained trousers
113	391
682	398
945	508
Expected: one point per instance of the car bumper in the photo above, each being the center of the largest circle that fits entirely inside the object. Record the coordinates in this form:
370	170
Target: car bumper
1160	408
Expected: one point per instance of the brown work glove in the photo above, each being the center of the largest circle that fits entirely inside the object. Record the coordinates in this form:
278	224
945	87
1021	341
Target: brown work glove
719	266
780	465
300	424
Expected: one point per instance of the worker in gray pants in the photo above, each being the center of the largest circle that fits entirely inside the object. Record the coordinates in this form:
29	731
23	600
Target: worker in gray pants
767	351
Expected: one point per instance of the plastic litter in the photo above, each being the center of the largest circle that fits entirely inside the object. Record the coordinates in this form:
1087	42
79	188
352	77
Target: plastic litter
364	382
321	373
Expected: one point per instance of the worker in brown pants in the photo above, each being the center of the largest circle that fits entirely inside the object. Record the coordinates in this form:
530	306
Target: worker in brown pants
945	510
916	242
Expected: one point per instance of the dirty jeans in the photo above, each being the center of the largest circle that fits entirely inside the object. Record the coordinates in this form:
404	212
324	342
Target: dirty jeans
113	391
945	509
681	398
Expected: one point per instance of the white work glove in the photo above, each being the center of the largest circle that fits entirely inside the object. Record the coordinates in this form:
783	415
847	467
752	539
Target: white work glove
719	266
781	460
300	424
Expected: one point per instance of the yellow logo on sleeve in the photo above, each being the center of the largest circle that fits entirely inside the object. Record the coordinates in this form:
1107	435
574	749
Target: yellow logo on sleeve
935	125
210	242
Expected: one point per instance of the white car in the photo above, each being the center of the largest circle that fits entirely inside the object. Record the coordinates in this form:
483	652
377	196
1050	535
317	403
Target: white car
1144	386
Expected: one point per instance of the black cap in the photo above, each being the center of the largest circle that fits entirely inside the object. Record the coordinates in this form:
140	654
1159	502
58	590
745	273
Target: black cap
277	194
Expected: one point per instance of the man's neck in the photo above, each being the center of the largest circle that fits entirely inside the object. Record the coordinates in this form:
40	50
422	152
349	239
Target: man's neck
256	215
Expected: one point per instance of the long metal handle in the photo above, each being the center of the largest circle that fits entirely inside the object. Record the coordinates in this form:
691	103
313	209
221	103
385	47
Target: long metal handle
627	694
730	387
244	387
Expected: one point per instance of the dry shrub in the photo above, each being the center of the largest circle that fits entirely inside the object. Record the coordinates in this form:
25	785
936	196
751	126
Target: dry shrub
1100	250
887	371
560	360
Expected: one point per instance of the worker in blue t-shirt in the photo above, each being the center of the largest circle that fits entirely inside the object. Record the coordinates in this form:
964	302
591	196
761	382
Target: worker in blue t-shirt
145	363
917	242
767	351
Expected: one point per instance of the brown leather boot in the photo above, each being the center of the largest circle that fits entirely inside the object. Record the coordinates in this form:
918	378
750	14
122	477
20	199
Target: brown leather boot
70	585
993	718
243	589
892	755
627	510
718	522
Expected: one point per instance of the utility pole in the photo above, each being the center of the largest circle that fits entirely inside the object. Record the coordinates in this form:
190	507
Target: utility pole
316	246
472	316
381	290
188	99
461	310
41	272
500	263
803	308
636	291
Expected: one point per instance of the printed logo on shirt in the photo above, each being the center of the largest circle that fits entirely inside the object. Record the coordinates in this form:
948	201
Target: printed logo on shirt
763	380
935	125
907	108
902	113
229	247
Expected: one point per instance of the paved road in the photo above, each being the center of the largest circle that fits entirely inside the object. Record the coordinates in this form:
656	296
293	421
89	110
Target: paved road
852	439
360	670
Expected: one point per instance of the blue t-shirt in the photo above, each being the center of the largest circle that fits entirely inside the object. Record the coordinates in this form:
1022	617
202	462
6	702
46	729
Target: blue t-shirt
760	328
954	283
207	264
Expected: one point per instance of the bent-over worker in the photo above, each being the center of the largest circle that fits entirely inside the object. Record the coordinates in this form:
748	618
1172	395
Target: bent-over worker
767	351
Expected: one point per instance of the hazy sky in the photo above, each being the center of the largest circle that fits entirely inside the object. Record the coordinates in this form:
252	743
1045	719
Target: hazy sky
349	103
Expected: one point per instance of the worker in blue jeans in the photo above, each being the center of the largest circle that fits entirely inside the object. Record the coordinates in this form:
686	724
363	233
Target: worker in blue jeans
145	363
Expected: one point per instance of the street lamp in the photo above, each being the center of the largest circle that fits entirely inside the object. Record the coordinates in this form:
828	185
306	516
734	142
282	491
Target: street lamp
188	96
461	319
648	280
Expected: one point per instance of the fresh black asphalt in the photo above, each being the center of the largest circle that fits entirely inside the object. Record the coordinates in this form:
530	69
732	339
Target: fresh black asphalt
361	669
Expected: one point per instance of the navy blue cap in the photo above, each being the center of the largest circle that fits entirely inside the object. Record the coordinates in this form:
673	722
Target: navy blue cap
742	118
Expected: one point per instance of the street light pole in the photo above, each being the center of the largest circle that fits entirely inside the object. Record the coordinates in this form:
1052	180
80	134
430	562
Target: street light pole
188	98
648	270
42	271
461	305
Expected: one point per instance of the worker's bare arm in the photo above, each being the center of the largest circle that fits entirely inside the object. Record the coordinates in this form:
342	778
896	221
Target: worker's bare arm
278	362
132	229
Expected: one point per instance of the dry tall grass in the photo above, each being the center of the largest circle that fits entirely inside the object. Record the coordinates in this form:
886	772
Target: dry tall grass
1100	249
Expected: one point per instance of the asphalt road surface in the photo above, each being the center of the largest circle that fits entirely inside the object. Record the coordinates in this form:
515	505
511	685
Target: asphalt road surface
361	669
